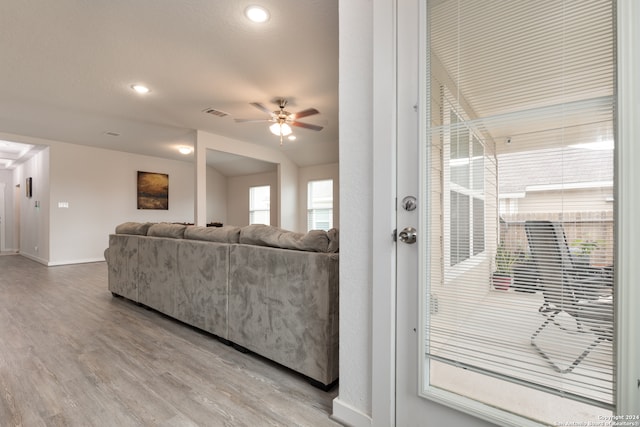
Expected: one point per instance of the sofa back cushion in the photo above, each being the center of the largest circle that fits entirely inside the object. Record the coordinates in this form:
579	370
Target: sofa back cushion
266	235
334	240
163	229
136	228
226	234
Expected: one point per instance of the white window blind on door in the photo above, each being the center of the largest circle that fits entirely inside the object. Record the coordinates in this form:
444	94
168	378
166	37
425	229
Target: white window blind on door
521	249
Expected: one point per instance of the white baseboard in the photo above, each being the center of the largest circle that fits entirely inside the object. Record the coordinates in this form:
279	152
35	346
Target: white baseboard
55	263
75	261
348	415
34	258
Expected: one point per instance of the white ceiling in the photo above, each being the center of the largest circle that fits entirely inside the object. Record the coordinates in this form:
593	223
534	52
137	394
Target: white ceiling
66	70
12	152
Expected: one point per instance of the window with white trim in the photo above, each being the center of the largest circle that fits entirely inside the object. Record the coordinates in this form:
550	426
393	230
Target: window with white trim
260	205
320	204
466	192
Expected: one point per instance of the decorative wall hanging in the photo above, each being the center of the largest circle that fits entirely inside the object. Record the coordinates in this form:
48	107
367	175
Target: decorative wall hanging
153	190
29	187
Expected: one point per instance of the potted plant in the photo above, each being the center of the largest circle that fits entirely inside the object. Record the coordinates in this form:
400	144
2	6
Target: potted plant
502	277
581	251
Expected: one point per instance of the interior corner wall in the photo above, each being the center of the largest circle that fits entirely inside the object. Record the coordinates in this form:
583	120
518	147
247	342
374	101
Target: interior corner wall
288	197
287	171
316	173
34	211
238	196
216	196
10	243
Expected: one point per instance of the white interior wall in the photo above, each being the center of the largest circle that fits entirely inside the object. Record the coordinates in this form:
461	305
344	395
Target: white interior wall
288	197
354	402
316	173
100	187
238	196
216	196
100	196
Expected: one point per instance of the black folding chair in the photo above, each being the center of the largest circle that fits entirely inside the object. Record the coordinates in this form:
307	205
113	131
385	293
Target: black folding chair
582	293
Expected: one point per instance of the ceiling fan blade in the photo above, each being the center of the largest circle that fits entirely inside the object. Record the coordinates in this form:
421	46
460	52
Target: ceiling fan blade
306	125
261	107
252	120
305	113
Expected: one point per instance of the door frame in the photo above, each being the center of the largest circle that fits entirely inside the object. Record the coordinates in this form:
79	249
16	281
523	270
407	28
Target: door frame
384	286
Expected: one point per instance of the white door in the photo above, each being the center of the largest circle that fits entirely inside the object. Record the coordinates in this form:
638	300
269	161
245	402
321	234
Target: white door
418	404
411	408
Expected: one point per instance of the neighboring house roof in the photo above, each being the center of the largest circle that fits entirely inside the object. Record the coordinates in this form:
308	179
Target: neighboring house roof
554	169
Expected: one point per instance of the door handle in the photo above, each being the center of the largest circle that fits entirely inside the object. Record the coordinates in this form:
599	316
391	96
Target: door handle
408	235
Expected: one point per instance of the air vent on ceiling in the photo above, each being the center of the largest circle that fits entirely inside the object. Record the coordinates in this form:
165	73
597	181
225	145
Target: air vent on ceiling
112	133
215	112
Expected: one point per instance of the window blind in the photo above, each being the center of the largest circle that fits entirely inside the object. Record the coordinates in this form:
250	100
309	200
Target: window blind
521	226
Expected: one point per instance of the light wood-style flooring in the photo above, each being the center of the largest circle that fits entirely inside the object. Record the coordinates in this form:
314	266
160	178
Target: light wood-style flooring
73	355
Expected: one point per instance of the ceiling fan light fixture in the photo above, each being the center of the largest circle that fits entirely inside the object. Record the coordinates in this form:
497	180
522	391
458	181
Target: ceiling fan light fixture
256	14
292	138
185	150
280	129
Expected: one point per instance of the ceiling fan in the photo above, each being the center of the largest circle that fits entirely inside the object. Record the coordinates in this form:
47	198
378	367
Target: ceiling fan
282	120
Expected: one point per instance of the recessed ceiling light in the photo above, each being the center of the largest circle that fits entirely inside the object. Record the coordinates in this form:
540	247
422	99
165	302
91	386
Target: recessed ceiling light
185	150
140	89
257	14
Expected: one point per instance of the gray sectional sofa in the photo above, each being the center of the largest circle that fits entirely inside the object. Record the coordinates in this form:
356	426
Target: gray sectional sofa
268	290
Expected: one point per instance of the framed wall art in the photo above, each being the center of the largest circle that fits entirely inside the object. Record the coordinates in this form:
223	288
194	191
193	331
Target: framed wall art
153	190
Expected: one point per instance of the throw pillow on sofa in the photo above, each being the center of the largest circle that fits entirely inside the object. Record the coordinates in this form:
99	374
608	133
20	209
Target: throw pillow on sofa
175	231
266	235
225	234
136	228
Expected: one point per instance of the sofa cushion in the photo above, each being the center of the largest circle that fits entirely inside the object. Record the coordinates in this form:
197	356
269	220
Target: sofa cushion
334	240
137	228
164	229
226	234
266	235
